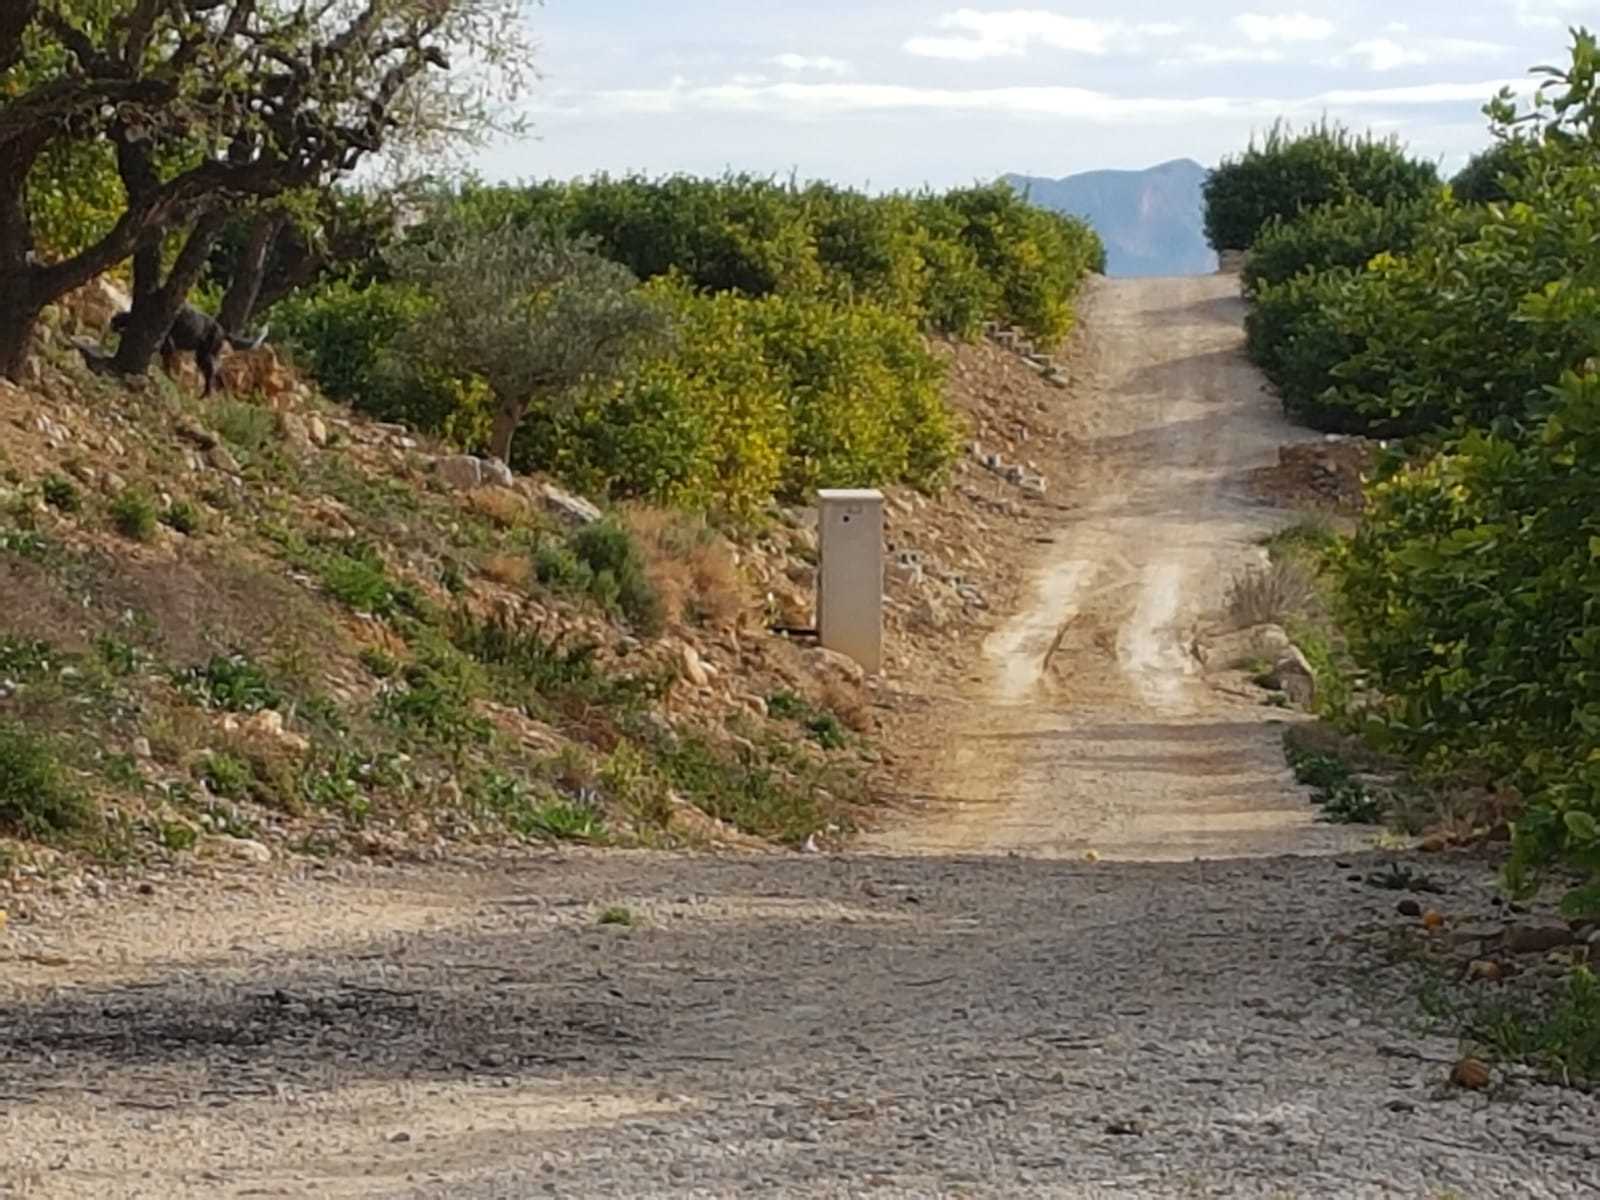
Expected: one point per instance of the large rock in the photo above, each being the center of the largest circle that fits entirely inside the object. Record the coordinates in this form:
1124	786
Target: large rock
461	471
830	664
1292	675
693	668
495	473
574	510
295	430
1239	647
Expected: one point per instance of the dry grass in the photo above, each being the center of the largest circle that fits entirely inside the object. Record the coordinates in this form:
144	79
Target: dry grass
690	565
508	570
1270	595
848	704
502	506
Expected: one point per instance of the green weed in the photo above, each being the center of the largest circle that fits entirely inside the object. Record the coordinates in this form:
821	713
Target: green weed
36	801
133	515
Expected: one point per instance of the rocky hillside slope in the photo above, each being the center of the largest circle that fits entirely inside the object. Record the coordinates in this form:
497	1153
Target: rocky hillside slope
258	624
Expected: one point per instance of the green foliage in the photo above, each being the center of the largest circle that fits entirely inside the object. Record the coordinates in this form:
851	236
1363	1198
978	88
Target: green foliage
244	426
226	775
354	574
36	801
1560	1037
618	914
797	359
1289	173
823	726
616	572
782	394
531	814
1468	596
346	333
740	786
1343	798
603	561
1347	233
230	683
133	514
536	314
706	427
434	700
183	516
1491	175
60	494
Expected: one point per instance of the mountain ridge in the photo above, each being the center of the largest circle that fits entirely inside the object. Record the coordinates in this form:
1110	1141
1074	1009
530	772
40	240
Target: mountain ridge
1151	220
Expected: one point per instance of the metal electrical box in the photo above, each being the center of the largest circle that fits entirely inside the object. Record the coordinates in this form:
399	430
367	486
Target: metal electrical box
850	575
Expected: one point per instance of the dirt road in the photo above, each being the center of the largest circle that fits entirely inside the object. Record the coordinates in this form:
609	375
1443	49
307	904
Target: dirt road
930	1016
1120	747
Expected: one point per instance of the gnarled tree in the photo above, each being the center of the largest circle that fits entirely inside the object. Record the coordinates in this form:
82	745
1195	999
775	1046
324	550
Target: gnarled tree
209	102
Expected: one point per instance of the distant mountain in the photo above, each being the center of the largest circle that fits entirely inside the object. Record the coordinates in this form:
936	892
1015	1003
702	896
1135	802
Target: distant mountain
1149	220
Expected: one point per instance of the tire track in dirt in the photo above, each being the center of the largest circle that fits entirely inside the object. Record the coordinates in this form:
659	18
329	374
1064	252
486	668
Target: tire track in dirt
1093	728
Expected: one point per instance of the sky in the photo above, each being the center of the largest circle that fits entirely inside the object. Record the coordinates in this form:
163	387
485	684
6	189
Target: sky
900	94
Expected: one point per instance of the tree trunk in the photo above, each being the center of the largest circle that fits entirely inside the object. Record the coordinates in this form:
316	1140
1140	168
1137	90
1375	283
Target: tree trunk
245	290
506	419
150	318
18	315
19	302
156	303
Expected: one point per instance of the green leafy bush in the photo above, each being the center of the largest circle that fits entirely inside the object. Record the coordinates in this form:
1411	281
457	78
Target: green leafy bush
133	514
799	317
36	801
1467	597
1289	173
1490	176
1347	233
617	577
231	683
60	494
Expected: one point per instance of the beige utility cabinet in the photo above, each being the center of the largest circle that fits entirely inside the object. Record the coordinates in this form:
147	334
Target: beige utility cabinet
850	575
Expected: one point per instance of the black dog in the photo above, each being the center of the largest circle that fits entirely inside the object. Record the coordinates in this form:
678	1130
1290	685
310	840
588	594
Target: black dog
193	331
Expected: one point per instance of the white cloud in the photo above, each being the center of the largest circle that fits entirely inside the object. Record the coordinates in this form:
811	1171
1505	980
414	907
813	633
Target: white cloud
1207	54
973	35
1382	54
1285	27
1550	14
820	63
1385	54
804	100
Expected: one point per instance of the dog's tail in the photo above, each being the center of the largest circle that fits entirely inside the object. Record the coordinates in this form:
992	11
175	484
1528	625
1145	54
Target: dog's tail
255	343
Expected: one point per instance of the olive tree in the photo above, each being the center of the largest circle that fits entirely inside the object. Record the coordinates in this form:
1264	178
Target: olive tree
538	316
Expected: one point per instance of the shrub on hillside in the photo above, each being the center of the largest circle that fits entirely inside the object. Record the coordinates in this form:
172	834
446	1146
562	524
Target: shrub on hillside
1467	595
1289	173
536	315
779	395
705	428
1444	333
1490	175
1346	233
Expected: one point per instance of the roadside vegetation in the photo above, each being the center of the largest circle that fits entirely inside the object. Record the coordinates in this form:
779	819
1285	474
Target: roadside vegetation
1463	323
263	615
